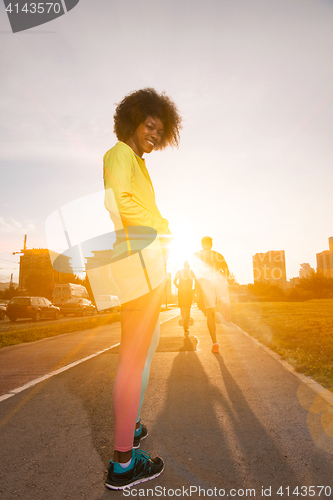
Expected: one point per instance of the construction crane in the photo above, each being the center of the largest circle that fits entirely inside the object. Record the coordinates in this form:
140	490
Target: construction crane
24	246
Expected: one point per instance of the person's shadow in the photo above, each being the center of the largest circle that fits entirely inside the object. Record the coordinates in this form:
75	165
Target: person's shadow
207	433
209	436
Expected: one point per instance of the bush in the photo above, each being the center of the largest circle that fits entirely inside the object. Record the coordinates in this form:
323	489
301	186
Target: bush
265	292
317	286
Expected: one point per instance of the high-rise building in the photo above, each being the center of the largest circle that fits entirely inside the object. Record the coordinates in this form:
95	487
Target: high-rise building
99	262
37	260
325	260
98	269
305	270
270	267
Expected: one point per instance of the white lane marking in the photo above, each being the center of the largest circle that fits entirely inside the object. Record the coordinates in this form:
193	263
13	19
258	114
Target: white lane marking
52	374
169	319
35	381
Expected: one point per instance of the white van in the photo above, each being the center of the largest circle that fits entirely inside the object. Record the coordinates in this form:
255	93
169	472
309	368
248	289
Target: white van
107	303
65	291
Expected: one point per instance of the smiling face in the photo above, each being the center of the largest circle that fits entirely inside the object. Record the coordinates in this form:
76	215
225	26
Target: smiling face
147	136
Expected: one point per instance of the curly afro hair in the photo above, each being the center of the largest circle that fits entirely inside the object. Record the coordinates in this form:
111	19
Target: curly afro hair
137	106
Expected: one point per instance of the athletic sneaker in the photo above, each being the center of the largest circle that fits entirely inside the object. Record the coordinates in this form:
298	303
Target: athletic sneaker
215	348
143	434
144	469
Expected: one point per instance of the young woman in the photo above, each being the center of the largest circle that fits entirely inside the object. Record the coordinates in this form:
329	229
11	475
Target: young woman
144	121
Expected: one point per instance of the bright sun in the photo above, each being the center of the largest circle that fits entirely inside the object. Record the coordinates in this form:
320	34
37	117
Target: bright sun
182	247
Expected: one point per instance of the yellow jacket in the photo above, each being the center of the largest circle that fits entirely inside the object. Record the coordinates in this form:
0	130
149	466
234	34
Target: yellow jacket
125	173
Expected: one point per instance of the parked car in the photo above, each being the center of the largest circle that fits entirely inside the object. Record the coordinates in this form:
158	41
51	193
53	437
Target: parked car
106	303
31	307
78	307
3	308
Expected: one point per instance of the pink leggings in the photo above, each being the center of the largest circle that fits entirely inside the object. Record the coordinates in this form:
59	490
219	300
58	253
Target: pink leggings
138	321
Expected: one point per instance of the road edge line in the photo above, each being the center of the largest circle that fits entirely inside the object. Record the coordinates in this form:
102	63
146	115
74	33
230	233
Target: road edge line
35	381
324	393
169	319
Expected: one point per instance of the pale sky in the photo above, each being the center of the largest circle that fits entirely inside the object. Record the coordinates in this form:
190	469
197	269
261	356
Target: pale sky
253	80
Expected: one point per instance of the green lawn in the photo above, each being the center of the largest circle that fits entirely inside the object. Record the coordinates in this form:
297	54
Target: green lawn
300	332
38	331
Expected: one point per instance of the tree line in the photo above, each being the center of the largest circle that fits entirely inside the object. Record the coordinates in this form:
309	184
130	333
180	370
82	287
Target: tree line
315	286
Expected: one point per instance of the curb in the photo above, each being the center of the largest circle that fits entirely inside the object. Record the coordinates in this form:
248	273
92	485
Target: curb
324	393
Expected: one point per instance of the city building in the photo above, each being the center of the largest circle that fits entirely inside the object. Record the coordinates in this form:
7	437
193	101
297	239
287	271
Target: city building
98	269
99	262
305	270
37	260
270	267
325	260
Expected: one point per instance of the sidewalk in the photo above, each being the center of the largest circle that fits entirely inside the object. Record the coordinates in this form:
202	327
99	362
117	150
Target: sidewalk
22	363
234	422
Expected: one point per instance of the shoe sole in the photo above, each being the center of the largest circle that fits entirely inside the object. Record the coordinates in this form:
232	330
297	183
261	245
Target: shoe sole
138	445
142	480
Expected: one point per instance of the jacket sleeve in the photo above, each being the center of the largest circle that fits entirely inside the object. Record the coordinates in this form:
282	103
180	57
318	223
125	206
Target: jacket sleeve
117	175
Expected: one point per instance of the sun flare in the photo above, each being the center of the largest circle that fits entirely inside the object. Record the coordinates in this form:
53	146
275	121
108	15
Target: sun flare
182	247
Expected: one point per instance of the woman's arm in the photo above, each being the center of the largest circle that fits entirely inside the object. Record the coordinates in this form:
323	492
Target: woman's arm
117	176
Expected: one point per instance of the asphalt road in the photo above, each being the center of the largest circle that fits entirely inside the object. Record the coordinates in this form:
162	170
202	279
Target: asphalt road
237	424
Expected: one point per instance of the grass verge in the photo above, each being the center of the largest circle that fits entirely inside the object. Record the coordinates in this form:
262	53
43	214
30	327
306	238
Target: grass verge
38	331
300	332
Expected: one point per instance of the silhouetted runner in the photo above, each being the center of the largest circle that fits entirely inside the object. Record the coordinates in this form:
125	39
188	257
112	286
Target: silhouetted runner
184	282
211	271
